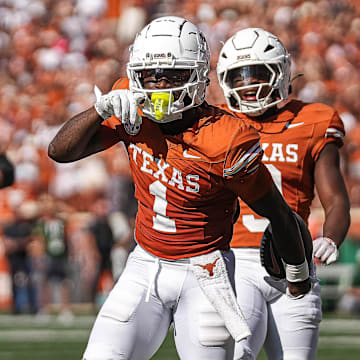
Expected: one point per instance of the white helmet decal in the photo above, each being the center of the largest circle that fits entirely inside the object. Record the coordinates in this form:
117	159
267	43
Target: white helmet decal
249	47
170	42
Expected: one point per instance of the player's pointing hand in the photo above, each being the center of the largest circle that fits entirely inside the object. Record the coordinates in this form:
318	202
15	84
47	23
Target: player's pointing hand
121	103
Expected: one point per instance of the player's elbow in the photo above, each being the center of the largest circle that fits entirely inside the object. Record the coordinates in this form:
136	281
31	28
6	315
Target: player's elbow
53	153
56	154
272	206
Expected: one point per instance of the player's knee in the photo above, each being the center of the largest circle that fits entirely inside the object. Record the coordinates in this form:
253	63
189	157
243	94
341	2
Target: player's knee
212	329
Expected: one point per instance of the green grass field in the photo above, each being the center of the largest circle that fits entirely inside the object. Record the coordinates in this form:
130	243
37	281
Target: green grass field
29	338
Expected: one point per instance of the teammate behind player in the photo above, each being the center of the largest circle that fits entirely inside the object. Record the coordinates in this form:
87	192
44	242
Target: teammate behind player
190	161
300	143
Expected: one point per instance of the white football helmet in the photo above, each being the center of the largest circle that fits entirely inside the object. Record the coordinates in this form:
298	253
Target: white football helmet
254	51
170	42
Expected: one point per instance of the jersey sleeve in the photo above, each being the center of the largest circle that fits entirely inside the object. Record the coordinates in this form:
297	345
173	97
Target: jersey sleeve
332	132
243	172
121	84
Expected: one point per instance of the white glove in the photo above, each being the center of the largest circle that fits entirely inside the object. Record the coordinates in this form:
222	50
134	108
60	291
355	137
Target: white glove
325	249
121	103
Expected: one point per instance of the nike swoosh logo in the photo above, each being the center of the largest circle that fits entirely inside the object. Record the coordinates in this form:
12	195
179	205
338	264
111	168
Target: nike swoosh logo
294	125
189	156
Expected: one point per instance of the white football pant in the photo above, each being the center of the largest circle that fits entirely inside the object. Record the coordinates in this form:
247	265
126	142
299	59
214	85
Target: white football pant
288	329
150	294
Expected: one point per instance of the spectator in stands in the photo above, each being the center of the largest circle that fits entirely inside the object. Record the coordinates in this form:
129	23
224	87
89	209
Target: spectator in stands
17	239
52	229
102	233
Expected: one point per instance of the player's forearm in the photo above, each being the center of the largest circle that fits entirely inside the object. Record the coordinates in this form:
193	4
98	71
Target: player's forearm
333	196
72	141
288	239
333	228
285	230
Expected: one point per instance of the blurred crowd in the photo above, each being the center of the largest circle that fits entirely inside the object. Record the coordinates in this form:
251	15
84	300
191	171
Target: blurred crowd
53	52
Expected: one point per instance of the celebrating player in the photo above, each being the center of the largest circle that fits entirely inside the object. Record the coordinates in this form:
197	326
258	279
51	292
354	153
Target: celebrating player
300	143
189	161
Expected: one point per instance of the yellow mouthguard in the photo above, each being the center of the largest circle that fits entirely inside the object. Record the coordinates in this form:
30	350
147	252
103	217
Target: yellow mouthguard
161	103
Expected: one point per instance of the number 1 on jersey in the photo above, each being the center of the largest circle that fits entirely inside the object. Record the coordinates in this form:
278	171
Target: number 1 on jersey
161	222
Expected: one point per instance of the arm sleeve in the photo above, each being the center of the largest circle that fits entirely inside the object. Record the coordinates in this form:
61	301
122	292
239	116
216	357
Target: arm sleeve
253	186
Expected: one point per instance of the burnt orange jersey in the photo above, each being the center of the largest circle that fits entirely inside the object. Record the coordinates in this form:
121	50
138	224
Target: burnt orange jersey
182	182
292	142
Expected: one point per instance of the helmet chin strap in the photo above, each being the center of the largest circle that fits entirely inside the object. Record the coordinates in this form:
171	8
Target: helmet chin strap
173	117
248	111
268	112
257	113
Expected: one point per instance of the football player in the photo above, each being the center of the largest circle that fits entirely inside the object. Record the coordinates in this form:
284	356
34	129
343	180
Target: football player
190	162
300	143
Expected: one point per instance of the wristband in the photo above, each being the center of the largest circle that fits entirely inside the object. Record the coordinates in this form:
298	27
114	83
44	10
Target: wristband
296	273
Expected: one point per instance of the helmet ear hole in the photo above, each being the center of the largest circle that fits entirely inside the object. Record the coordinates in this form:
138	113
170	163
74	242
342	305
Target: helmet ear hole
269	47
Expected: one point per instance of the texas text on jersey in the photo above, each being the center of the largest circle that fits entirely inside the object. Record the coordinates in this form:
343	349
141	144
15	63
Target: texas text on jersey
292	141
193	168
